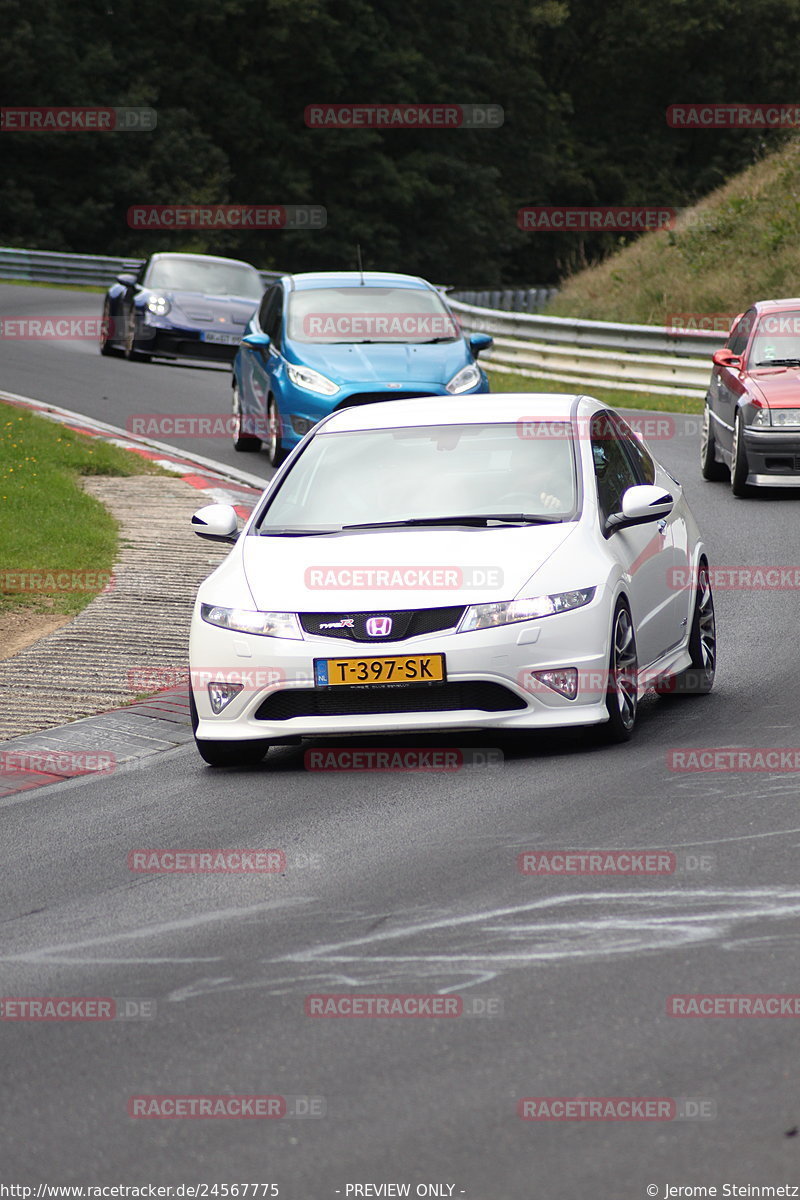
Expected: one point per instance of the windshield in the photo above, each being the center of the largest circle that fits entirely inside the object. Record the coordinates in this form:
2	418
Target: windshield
777	339
369	314
211	278
438	471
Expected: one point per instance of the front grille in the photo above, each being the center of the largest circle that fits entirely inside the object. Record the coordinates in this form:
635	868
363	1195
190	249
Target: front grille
785	465
377	397
214	351
345	702
405	623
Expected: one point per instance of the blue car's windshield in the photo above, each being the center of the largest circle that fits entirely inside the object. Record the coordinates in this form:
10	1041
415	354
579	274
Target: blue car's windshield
369	314
210	278
428	472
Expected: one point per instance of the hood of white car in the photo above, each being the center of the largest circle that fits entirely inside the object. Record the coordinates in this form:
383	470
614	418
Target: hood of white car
396	569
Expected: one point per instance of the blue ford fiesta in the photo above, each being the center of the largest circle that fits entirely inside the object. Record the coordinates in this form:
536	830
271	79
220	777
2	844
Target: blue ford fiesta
328	340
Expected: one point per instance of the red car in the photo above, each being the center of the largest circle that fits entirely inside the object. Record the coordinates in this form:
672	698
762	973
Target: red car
751	419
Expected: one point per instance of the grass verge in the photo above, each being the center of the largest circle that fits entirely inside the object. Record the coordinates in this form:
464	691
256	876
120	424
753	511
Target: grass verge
501	382
47	522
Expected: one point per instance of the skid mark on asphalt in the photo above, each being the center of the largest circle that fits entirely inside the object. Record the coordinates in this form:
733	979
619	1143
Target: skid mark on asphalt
462	951
63	953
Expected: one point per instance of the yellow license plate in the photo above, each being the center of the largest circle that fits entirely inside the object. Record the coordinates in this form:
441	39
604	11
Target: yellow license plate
360	672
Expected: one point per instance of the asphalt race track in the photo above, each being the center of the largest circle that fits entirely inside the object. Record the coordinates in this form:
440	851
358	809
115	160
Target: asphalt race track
406	883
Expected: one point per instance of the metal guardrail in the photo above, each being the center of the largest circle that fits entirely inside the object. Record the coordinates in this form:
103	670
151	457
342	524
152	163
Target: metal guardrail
524	300
609	354
92	270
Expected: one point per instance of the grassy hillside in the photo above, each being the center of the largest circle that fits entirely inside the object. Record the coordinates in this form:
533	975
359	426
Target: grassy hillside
740	244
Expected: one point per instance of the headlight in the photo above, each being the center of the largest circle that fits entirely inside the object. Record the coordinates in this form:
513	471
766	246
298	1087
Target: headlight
506	612
158	305
781	417
244	620
464	379
312	381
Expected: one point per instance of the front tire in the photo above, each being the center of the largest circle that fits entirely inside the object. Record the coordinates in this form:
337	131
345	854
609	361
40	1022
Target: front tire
106	348
275	450
226	754
711	469
131	352
739	465
622	697
241	441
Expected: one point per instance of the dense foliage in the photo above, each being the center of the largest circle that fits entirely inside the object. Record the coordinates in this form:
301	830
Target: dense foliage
584	87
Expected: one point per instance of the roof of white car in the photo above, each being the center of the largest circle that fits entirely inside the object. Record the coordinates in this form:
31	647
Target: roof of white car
479	408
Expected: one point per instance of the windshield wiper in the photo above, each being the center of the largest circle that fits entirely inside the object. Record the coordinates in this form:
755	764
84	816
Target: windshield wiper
779	362
299	531
476	519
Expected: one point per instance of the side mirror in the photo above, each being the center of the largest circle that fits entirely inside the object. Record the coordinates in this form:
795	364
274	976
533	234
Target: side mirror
217	522
257	341
480	341
726	358
640	505
128	281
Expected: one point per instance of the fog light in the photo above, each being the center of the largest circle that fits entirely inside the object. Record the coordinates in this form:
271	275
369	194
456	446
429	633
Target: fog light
301	425
564	680
221	694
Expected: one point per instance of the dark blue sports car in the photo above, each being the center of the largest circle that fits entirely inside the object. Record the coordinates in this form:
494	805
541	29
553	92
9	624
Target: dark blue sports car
181	306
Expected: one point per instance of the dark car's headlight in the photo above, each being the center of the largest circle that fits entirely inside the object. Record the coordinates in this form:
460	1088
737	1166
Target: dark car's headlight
506	612
159	306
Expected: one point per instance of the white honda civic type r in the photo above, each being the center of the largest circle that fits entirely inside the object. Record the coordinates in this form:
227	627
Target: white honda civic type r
506	562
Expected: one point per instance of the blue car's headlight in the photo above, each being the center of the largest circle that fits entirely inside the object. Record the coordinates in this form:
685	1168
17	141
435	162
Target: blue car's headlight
464	379
159	306
506	612
312	381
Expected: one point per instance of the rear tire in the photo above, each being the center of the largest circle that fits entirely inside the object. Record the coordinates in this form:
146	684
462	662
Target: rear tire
275	450
710	468
226	754
739	466
622	697
698	678
241	441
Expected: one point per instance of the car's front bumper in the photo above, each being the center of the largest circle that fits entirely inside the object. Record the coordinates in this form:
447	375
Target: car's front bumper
297	405
277	677
177	342
773	456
